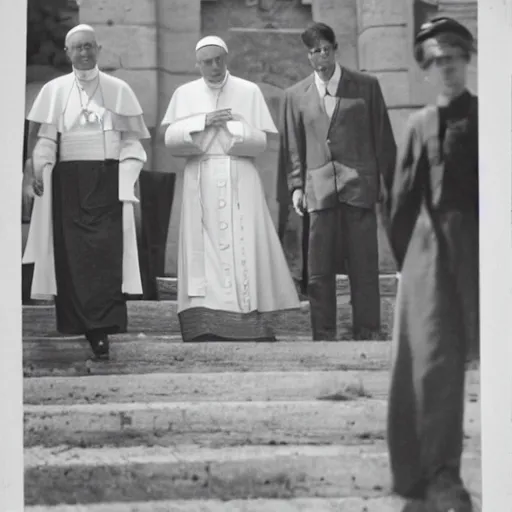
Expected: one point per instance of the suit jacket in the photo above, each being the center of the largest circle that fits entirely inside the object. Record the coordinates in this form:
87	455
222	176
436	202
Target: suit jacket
349	158
343	158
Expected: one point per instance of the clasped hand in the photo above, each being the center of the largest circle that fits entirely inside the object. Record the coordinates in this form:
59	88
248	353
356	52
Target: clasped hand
219	117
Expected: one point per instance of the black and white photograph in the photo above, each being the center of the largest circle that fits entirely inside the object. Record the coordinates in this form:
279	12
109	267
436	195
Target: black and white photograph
263	260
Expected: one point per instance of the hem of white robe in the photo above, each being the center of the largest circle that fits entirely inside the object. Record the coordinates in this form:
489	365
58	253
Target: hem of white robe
229	325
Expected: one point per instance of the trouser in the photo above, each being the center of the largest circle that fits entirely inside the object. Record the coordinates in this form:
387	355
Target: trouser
345	232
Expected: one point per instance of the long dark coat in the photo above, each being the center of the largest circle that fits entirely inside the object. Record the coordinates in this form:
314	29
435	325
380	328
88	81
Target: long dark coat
432	221
431	213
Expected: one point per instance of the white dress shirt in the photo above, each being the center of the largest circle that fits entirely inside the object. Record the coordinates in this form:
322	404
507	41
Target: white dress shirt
330	87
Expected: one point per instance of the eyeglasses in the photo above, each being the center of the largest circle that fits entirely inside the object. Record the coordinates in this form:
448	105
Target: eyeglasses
328	50
86	46
219	61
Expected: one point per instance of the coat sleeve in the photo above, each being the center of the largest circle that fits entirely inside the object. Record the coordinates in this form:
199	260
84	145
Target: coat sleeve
383	139
403	201
293	144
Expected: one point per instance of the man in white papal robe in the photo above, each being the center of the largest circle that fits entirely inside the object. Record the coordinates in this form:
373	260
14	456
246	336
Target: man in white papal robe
231	266
86	160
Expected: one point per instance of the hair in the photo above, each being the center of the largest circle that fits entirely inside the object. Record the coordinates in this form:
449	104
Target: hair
424	57
316	32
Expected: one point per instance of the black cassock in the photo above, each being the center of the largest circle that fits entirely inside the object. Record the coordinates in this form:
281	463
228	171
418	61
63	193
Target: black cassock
88	246
432	220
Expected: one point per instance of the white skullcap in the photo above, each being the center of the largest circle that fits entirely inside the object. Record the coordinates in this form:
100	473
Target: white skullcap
78	28
211	41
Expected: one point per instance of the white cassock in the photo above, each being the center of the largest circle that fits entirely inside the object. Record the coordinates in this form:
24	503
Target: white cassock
231	265
115	134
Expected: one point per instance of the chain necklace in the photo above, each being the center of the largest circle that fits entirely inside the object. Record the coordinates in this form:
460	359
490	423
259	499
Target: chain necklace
87	116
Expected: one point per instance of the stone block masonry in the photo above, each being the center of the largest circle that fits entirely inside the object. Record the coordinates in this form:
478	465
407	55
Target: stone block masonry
128	12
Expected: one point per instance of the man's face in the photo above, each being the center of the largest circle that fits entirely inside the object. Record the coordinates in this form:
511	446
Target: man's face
449	68
322	56
83	50
211	61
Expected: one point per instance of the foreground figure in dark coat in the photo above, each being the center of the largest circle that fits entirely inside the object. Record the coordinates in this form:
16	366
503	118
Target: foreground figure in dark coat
337	146
432	215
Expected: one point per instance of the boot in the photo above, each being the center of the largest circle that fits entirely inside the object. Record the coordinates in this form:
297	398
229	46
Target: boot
447	493
99	344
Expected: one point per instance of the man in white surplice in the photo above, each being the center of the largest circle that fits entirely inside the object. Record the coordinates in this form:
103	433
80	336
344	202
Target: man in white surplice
86	160
231	267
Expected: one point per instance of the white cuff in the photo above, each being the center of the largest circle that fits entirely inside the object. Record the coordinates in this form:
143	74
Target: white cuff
193	125
236	129
129	171
44	155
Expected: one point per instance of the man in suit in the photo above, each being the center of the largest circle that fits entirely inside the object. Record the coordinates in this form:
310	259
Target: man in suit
338	145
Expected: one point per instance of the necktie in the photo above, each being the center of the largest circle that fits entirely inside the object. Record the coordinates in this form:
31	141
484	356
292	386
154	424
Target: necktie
329	103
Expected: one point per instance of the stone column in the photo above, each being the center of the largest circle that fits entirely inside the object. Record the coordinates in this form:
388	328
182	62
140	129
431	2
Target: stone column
341	15
384	52
179	29
13	40
382	46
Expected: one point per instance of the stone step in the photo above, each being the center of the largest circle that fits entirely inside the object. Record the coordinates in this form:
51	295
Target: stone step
159	354
216	424
353	504
176	473
161	317
168	286
217	387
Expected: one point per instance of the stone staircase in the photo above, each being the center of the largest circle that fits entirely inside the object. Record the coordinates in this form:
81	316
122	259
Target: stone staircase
169	426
